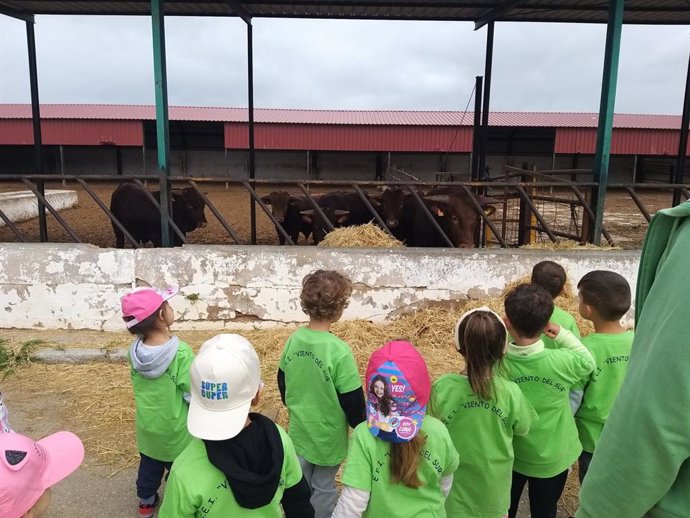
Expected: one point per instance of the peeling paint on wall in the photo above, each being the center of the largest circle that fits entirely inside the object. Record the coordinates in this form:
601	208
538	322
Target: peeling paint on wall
79	286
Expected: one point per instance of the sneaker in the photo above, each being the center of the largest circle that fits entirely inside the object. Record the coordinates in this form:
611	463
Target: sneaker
147	510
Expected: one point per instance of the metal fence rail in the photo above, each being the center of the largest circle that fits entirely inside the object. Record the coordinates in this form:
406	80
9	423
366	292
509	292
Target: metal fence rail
526	188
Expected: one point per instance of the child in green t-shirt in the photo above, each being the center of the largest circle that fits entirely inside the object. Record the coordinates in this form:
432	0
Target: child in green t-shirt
406	466
160	380
604	298
482	412
320	385
552	277
239	463
545	376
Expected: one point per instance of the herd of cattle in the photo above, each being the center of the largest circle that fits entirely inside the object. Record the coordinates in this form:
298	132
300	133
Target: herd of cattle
399	209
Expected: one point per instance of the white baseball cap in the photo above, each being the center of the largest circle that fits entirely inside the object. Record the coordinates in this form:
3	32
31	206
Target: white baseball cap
225	377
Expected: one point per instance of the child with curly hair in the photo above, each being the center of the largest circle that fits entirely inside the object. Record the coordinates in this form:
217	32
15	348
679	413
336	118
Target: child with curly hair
320	385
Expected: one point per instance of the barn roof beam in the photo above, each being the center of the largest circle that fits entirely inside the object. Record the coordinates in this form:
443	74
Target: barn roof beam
13	13
240	10
498	11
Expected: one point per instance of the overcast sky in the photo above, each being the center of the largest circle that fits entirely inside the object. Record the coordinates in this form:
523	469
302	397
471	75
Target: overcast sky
343	64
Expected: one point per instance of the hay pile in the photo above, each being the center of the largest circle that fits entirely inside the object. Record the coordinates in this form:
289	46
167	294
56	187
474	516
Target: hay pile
360	236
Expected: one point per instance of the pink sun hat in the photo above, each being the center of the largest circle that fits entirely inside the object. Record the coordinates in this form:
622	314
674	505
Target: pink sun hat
141	303
28	468
402	371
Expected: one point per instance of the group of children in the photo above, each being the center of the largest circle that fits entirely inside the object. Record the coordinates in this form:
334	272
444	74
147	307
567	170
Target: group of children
530	401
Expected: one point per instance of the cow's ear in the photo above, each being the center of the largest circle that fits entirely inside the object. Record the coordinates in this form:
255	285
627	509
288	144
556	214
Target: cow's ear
489	210
266	199
437	211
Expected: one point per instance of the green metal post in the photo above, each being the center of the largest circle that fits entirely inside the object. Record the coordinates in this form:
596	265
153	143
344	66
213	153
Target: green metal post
162	126
608	101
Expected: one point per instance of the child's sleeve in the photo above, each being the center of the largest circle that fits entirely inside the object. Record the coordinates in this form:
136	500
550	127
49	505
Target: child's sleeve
582	363
574	329
346	377
177	503
523	413
434	408
358	469
348	386
452	456
297	495
184	365
352	503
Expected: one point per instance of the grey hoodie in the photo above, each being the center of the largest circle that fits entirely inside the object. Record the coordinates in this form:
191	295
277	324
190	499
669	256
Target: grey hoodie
151	361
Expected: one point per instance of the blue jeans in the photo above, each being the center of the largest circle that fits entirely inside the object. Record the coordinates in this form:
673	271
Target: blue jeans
150	476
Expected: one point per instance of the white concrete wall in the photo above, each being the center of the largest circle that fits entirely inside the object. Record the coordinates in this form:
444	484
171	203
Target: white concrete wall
79	286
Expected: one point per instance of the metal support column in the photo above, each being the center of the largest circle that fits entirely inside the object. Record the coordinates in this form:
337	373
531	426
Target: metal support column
162	125
250	98
486	100
477	130
38	141
683	144
606	107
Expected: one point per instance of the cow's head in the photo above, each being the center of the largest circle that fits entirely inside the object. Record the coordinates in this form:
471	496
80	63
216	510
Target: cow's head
392	204
188	209
458	216
280	202
338	217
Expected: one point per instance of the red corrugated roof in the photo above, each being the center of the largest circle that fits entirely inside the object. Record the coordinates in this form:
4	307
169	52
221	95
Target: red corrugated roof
346	117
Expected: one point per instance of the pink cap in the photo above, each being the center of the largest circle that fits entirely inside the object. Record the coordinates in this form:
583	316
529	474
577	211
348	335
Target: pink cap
401	370
141	303
28	468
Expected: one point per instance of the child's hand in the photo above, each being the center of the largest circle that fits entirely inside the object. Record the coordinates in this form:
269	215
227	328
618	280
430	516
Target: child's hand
552	330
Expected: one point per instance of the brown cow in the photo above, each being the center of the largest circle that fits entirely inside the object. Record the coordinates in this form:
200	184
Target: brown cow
455	214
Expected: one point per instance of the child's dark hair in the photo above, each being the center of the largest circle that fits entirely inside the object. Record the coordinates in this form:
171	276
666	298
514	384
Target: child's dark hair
529	308
144	328
384	402
481	339
607	292
325	294
550	276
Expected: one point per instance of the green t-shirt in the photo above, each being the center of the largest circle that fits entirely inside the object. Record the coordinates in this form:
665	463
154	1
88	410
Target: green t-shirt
642	460
552	444
318	366
161	411
611	354
196	488
482	432
563	319
368	468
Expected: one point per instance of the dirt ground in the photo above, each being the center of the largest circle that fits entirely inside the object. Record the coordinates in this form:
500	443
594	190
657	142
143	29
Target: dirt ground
622	218
87	398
